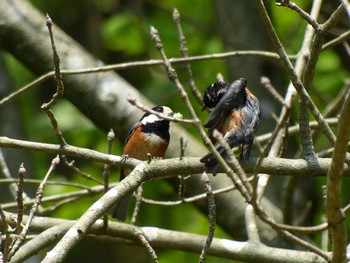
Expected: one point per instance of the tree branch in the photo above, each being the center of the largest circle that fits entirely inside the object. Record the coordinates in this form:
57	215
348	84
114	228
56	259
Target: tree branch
160	238
298	85
175	166
335	215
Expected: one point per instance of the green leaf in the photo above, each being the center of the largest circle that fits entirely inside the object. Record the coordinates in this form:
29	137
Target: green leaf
122	32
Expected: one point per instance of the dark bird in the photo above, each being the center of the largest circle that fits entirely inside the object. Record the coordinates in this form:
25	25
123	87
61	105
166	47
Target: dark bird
214	93
149	136
235	114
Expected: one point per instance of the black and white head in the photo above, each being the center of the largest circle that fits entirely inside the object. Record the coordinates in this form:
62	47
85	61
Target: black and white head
148	118
153	124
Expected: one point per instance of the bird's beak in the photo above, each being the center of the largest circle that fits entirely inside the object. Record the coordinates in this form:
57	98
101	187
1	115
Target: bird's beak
176	115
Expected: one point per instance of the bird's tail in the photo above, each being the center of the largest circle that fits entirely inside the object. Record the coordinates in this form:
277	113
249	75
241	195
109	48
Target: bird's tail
233	141
121	209
210	161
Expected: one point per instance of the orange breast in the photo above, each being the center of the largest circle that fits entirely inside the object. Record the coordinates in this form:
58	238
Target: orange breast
232	122
139	146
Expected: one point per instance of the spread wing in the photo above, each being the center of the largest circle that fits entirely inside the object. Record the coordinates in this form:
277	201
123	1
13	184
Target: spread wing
214	93
233	98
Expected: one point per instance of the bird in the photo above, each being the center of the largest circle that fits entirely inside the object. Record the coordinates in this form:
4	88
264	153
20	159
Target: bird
235	113
149	136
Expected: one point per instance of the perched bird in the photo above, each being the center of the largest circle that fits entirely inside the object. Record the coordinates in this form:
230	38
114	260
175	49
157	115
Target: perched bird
150	135
235	113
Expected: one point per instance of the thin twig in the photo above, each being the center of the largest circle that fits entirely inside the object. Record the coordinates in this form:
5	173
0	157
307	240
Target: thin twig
266	82
140	235
59	85
305	133
184	52
239	178
309	19
190	199
260	212
9	230
107	172
19	199
134	64
37	181
336	41
335	17
335	216
259	184
316	47
278	144
347	48
56	62
138	204
211	216
293	130
61	198
39	194
67	201
310	50
183	146
71	165
139	105
292	74
333	108
6	173
182	179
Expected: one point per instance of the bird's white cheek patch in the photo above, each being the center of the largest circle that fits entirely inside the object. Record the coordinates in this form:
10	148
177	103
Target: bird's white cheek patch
150	119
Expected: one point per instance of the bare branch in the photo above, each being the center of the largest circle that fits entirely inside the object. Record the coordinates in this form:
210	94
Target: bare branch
137	205
211	215
82	226
266	82
146	244
242	251
59	84
39	194
44	239
186	166
19	198
338	40
311	21
184	52
107	172
335	216
292	74
252	229
142	107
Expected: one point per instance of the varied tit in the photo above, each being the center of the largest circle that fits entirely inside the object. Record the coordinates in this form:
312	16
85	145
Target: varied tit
235	114
149	136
